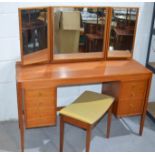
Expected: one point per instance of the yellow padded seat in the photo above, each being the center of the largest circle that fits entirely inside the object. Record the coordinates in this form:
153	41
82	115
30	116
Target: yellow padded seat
88	107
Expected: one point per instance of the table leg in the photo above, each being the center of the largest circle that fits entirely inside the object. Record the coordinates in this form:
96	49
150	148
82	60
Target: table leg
20	115
142	120
109	121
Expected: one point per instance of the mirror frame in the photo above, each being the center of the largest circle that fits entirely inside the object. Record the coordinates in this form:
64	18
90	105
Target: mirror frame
120	53
33	58
41	56
150	39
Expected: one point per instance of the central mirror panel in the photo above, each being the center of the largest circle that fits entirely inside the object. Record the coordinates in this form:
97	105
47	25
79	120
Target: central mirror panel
122	32
79	32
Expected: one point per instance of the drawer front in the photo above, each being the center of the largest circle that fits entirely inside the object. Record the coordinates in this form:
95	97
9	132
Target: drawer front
133	90
130	107
132	98
40	107
39	97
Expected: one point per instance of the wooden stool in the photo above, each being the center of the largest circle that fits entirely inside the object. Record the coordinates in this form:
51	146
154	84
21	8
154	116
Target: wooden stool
85	112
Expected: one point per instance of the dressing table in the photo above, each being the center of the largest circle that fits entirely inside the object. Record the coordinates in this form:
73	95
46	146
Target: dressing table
38	78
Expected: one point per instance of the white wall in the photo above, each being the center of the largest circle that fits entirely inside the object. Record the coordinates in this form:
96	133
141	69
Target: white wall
10	52
142	40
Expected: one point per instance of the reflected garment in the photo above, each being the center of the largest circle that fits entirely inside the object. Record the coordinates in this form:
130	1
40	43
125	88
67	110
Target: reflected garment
67	31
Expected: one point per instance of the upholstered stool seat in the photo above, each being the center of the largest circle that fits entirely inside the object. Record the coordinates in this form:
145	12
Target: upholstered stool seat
85	112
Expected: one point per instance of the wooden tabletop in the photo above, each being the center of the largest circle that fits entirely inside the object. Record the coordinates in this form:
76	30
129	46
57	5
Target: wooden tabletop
81	72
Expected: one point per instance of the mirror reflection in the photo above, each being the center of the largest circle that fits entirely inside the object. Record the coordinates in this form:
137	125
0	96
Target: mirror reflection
122	28
34	30
78	30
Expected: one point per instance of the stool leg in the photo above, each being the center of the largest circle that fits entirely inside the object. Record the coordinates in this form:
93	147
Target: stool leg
61	133
109	121
88	138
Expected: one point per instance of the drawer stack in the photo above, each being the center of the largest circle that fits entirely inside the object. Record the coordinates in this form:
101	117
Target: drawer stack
40	107
132	98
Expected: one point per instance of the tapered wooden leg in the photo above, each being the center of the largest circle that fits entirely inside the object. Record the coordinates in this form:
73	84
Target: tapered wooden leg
22	138
88	139
142	119
109	121
20	115
61	133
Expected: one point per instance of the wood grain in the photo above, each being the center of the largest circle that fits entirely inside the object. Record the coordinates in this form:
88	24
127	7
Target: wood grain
117	54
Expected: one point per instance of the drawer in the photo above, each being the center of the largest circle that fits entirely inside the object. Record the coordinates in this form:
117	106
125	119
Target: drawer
130	107
38	117
41	97
39	112
133	89
41	122
40	107
39	102
43	93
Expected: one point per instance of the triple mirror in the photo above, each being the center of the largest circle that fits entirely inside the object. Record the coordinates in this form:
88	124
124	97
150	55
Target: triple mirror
76	33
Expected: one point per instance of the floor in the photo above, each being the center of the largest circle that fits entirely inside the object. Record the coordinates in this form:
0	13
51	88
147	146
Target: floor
124	137
151	109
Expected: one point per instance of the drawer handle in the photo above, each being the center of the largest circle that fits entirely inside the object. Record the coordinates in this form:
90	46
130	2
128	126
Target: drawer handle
40	94
133	86
131	105
39	104
132	94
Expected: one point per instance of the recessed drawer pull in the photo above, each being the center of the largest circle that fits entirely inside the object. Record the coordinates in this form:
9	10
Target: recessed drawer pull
40	94
40	103
132	94
131	105
133	86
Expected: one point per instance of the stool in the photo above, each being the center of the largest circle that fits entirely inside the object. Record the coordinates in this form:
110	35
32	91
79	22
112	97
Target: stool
85	112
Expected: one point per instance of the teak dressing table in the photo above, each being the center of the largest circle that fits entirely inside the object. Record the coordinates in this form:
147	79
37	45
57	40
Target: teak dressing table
127	80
